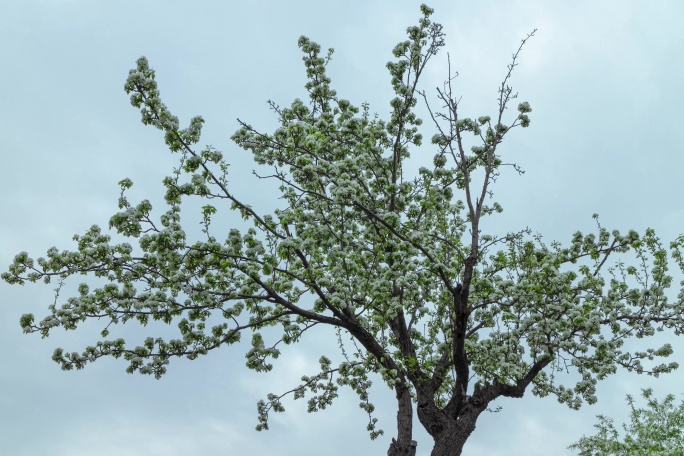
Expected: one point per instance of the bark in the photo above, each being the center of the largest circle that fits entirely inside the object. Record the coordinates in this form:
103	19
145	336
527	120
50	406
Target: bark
402	450
451	435
403	445
450	427
450	432
449	443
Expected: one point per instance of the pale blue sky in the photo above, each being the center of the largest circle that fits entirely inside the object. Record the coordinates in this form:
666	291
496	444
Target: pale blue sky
604	80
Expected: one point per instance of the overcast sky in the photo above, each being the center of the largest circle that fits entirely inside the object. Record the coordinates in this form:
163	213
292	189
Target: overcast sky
604	80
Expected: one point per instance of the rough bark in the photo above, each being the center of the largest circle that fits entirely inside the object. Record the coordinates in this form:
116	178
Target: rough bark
449	443
450	435
449	429
403	445
396	449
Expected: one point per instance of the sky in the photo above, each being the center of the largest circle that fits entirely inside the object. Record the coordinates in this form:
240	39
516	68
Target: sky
604	82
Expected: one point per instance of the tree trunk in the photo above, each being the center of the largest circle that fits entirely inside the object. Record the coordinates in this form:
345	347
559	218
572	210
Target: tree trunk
403	445
449	442
396	449
449	434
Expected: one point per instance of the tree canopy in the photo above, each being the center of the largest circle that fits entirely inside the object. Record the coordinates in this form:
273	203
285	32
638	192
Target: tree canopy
449	315
655	430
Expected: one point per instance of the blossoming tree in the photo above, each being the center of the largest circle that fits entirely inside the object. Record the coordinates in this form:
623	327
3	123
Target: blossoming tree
449	316
658	429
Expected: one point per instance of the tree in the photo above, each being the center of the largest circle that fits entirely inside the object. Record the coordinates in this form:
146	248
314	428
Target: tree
657	430
449	317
